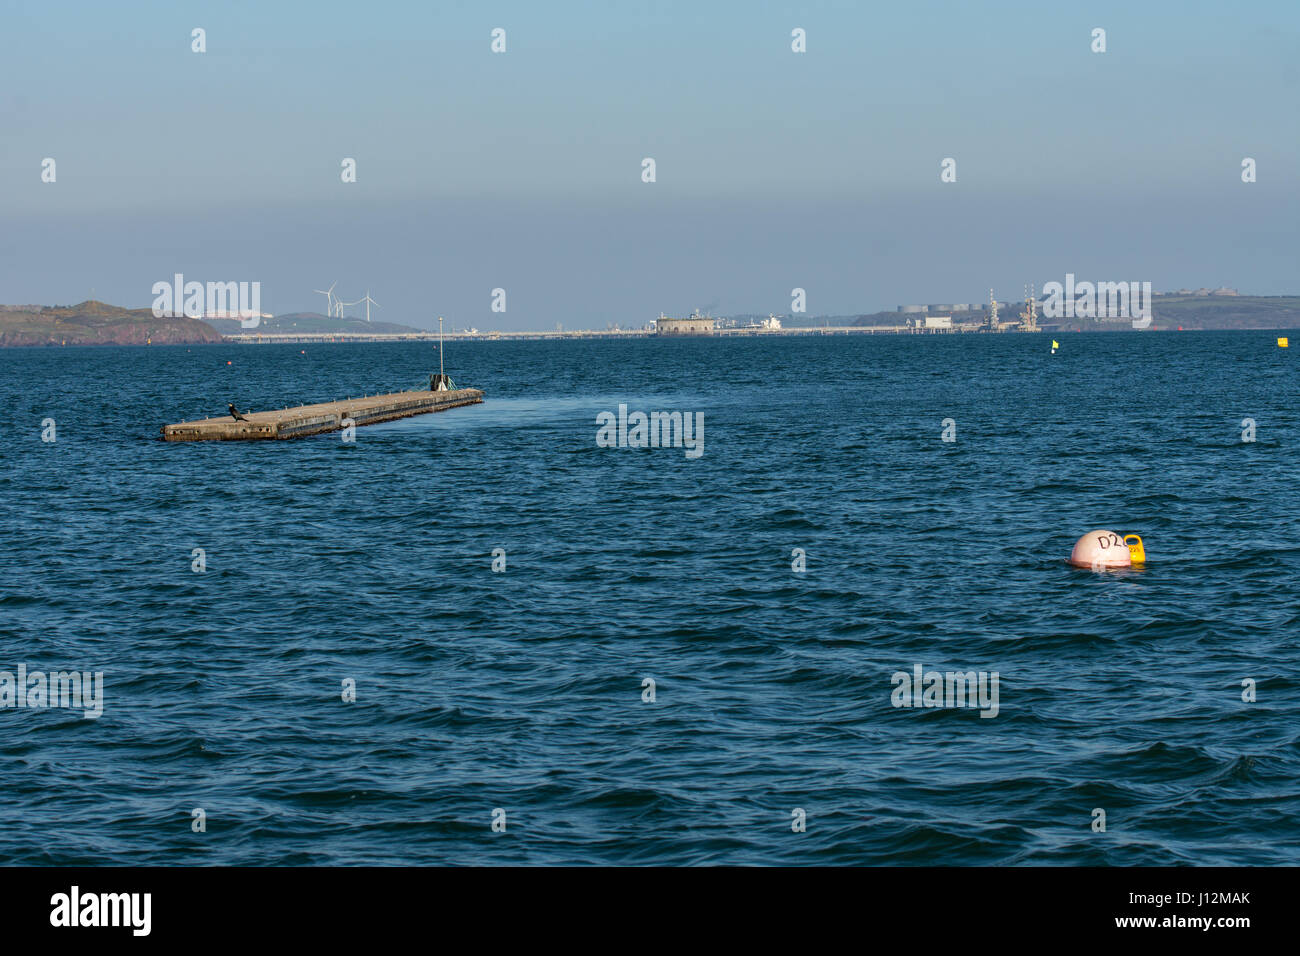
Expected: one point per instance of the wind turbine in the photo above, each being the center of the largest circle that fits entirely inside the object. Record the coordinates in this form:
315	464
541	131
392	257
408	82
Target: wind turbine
329	298
369	302
366	299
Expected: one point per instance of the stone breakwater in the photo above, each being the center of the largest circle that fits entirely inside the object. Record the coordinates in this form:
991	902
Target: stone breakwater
325	417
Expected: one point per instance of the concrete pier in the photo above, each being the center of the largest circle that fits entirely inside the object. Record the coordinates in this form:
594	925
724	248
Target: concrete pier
326	417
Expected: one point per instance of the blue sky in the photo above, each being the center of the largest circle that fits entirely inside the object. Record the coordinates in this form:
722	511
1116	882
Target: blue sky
522	170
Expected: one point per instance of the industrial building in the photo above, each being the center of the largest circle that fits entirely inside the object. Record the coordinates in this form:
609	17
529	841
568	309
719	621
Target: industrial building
695	324
940	307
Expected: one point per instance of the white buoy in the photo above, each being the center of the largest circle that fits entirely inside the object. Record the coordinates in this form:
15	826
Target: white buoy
1101	549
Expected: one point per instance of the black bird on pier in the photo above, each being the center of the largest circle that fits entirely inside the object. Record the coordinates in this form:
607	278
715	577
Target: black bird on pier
234	412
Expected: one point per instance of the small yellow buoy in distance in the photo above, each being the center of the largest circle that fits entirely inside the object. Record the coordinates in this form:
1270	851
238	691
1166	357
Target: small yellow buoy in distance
1055	345
1136	552
1283	342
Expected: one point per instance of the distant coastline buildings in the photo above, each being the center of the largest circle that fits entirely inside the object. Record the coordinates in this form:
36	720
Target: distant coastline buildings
236	315
942	307
920	310
694	324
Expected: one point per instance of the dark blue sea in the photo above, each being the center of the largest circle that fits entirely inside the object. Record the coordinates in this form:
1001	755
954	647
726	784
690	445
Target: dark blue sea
370	564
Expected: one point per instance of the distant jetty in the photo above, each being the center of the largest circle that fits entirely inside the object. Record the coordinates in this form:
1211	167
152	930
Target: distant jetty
325	417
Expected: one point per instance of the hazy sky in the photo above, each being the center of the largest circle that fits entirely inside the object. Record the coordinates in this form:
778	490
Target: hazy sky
522	170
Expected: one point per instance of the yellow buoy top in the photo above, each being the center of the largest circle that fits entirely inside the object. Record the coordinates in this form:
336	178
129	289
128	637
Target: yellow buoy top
1137	553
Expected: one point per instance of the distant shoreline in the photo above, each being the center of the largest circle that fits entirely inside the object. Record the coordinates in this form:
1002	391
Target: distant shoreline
615	336
96	323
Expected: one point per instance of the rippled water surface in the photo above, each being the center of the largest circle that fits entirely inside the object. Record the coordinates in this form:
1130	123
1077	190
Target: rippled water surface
522	690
